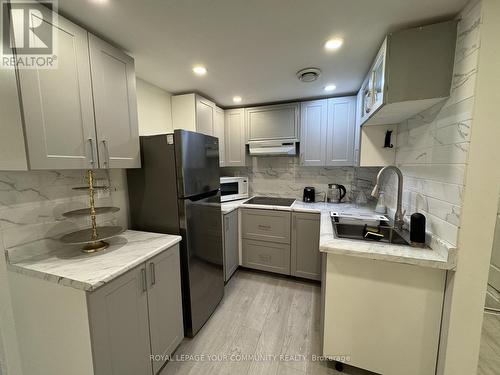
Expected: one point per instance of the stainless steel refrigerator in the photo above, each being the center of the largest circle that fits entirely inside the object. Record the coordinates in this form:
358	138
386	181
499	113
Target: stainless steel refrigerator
177	192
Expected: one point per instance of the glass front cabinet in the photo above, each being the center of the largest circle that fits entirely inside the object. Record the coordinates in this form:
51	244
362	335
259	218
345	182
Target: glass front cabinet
373	85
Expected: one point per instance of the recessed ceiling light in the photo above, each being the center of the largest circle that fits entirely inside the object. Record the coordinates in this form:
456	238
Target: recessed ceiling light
237	99
334	44
99	1
330	87
200	70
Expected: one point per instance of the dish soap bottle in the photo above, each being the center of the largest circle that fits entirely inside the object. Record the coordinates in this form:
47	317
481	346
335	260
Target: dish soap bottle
381	208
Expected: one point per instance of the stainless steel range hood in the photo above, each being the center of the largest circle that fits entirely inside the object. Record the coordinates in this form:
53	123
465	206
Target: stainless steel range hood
269	148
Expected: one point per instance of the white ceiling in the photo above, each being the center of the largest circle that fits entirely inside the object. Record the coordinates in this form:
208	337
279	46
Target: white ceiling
252	48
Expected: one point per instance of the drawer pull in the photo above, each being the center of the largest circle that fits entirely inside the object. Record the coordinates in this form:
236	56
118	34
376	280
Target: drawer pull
264	258
264	227
144	280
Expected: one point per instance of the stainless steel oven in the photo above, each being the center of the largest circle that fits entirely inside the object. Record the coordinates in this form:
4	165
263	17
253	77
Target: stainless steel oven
233	188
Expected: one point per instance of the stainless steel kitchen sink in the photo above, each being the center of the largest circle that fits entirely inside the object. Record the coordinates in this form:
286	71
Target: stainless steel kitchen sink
387	233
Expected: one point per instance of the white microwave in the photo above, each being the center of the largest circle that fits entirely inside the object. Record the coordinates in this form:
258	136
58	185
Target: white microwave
233	188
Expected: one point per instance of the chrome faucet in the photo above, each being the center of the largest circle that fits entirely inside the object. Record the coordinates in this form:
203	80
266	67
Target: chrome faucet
399	216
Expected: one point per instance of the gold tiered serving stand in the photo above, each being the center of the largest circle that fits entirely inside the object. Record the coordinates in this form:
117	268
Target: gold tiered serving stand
92	238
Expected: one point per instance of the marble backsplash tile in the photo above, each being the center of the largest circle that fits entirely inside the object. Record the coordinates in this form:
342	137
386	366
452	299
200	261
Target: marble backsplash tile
432	147
32	204
285	177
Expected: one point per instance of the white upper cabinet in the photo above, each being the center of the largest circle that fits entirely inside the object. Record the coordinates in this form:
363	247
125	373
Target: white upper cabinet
340	131
194	113
115	102
205	116
234	138
411	72
273	122
57	105
12	145
313	128
328	132
83	114
219	133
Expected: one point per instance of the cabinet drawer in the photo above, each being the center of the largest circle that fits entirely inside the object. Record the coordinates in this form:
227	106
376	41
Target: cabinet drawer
266	256
266	225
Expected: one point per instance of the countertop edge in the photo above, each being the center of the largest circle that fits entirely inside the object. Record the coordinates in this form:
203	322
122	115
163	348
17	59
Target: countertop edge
87	286
443	260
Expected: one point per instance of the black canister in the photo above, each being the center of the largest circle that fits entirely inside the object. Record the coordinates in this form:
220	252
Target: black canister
417	229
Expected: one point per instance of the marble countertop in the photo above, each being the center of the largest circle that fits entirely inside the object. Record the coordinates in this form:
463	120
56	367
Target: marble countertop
441	256
70	267
227	207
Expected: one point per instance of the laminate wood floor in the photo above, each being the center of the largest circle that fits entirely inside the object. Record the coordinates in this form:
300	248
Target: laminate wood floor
489	355
261	314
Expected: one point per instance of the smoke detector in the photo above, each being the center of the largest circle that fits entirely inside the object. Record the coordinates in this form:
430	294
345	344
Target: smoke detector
308	74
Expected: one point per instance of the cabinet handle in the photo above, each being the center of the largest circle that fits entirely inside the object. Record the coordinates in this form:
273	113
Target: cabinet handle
91	142
106	151
144	280
153	273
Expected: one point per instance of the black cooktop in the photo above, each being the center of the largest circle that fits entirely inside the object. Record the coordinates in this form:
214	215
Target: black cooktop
271	201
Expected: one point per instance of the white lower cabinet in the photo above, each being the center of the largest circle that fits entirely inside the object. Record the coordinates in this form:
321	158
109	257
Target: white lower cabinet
305	259
381	316
281	242
129	326
231	243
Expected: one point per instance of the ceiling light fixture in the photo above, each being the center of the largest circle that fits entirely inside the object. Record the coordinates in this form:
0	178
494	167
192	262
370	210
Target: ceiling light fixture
200	70
334	44
330	87
237	99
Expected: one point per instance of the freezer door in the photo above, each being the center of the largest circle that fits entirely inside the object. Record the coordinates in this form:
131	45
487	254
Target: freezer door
202	259
197	162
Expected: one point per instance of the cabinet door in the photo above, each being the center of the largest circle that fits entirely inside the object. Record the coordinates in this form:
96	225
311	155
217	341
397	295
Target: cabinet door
340	134
313	126
57	104
115	103
12	146
273	122
231	251
235	138
118	317
219	133
165	304
205	116
305	256
357	129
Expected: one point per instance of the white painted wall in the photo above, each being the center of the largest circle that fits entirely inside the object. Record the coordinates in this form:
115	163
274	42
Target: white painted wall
466	290
154	109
